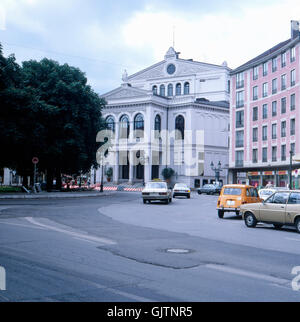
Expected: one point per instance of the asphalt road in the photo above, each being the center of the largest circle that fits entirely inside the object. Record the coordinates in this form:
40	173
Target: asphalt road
116	248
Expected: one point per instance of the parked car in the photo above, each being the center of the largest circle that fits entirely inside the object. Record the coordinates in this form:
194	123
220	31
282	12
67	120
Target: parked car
265	193
157	190
210	189
233	196
181	189
281	208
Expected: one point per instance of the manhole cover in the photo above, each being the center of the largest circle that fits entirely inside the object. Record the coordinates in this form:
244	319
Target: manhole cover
178	250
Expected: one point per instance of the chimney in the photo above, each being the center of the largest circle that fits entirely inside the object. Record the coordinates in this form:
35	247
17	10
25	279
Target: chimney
294	29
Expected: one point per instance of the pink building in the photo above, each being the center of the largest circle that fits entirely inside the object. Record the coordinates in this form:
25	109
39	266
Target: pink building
265	115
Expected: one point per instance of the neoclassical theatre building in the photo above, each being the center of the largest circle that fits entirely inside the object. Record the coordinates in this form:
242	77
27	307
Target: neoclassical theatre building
175	94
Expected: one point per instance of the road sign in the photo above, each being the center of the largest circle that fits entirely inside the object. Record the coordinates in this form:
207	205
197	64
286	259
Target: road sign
35	160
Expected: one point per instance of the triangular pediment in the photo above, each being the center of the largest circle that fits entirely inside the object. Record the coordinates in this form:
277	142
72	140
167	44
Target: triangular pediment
126	91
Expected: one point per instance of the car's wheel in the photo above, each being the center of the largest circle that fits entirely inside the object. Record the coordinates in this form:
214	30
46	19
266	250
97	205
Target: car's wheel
237	213
297	224
144	201
277	226
250	220
167	201
221	213
170	200
189	196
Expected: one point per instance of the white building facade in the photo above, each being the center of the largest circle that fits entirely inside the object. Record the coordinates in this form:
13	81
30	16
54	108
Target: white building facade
174	94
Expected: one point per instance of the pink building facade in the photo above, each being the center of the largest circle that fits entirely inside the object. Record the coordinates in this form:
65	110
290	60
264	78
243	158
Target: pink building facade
265	116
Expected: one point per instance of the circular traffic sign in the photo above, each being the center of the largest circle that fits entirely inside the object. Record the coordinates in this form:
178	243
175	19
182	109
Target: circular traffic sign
35	160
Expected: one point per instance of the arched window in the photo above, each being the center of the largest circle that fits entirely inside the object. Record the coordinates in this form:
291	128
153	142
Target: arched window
110	123
186	88
154	89
178	89
124	127
139	125
157	125
162	90
170	90
179	126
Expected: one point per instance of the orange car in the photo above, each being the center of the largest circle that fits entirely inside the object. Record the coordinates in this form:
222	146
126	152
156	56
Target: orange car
233	196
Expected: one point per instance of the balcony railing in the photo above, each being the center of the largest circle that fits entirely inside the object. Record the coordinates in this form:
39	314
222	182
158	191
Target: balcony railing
239	163
239	104
239	143
240	84
239	124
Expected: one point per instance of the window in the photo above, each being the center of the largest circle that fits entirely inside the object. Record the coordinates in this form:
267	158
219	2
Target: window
157	125
274	131
265	133
279	198
283	153
124	127
293	146
274	108
293	127
228	86
239	80
283	105
283	82
255	113
239	158
254	156
154	89
179	126
240	99
293	102
265	69
255	93
178	89
265	155
255	72
283	59
255	134
265	89
283	129
274	64
265	111
294	198
139	125
239	119
274	86
274	153
292	54
186	88
239	142
162	90
293	77
170	90
110	123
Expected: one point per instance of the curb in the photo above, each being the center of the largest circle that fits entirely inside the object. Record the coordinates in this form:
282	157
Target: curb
58	196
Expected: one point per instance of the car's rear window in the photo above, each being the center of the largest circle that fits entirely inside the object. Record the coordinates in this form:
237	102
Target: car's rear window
156	185
266	192
232	191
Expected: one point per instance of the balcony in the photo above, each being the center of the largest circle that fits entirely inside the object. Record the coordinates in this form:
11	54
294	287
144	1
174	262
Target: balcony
239	143
255	97
239	104
239	124
239	163
274	91
240	84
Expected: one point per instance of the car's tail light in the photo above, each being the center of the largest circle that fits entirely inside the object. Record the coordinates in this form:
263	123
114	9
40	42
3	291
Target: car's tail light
163	193
146	194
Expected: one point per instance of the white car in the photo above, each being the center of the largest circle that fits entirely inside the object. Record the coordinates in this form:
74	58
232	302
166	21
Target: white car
157	190
181	189
265	193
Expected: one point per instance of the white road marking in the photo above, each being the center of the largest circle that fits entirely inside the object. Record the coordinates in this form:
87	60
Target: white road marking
101	240
21	225
294	239
245	273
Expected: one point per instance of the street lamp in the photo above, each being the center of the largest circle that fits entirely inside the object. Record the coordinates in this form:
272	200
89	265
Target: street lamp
291	170
217	170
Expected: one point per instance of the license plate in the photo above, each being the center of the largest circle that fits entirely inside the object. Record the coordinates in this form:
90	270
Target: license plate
230	203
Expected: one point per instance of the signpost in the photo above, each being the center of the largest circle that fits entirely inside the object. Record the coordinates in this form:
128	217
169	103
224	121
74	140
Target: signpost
35	161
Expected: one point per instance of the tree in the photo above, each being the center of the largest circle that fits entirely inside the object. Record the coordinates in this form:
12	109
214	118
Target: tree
168	173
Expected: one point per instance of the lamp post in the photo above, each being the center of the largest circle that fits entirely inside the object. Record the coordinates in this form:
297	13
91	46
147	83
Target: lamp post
217	170
291	170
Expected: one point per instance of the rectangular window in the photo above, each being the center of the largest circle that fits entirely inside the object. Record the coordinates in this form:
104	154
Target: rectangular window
293	147
254	155
265	69
274	108
239	80
274	153
274	64
239	158
239	142
265	133
274	131
293	102
293	126
274	86
265	111
283	105
265	155
240	99
283	129
255	134
255	114
239	119
283	82
255	93
265	89
283	59
283	153
255	72
293	54
293	77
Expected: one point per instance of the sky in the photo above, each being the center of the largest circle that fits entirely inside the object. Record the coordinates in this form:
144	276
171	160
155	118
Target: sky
104	37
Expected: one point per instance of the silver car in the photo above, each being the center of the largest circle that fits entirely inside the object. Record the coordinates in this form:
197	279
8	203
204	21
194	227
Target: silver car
157	191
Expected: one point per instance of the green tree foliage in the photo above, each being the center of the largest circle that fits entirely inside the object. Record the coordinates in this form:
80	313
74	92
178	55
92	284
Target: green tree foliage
168	173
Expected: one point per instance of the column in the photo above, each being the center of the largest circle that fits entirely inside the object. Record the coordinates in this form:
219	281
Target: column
116	168
131	161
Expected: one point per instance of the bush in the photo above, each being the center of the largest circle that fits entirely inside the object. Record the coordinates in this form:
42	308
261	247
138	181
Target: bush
167	173
9	189
109	172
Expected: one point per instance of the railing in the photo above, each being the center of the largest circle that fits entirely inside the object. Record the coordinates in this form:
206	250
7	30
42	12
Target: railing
239	163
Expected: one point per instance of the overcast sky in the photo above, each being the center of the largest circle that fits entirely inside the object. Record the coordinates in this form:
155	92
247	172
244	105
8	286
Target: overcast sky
104	37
